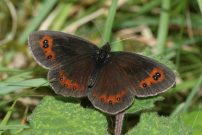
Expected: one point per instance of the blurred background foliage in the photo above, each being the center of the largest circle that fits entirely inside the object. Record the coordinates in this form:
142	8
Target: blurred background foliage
169	29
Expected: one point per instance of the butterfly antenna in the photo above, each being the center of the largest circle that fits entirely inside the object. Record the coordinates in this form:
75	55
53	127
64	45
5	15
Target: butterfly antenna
117	41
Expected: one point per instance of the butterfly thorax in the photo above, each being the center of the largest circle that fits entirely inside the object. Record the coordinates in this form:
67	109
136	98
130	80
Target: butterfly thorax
103	54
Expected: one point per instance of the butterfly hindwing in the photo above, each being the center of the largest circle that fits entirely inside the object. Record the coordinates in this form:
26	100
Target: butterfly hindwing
111	93
70	60
72	79
147	76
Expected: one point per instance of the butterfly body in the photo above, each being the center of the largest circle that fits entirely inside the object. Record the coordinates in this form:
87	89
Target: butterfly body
110	80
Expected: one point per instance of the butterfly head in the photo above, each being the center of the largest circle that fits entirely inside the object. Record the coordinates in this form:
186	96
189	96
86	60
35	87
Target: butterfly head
106	47
103	54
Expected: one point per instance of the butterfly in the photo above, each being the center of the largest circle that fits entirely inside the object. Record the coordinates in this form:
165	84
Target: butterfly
110	80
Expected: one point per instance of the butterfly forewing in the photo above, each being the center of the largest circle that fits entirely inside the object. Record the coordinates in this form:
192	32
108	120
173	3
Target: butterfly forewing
51	48
147	77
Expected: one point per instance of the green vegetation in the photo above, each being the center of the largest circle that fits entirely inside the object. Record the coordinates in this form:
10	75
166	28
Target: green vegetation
169	31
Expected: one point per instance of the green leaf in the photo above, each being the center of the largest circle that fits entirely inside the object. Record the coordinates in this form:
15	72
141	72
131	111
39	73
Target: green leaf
194	120
56	117
143	104
152	124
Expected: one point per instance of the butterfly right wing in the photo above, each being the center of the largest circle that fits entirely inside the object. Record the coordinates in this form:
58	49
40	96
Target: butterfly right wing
70	60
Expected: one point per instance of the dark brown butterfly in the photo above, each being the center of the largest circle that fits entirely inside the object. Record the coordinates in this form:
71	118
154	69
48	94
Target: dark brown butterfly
110	80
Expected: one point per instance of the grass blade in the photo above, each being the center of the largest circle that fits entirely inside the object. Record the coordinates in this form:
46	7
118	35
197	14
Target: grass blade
192	94
36	21
148	7
8	115
200	4
109	22
163	26
65	10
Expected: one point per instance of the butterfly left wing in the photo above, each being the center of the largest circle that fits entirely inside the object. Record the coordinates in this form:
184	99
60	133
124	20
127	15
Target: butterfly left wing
126	75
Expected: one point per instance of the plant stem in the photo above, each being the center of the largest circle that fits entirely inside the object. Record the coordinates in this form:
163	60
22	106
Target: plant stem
163	26
192	94
119	123
200	4
8	115
109	22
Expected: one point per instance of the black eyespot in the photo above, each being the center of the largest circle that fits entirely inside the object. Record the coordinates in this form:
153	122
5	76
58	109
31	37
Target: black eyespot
110	102
49	56
45	43
158	74
144	85
155	77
